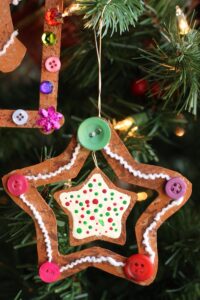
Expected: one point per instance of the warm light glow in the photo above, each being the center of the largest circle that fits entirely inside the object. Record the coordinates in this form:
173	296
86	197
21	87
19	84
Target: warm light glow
142	196
125	124
179	131
183	25
71	9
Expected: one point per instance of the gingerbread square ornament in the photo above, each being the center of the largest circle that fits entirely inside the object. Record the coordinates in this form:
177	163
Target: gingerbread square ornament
97	209
12	51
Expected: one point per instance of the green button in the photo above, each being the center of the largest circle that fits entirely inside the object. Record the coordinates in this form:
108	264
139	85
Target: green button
94	133
49	38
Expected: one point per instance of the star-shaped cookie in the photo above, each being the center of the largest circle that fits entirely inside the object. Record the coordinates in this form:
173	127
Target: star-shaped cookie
97	210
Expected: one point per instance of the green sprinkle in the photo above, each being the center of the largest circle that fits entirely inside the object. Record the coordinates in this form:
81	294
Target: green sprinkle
71	196
90	185
76	211
124	202
88	212
115	209
81	203
112	194
101	222
116	214
99	184
111	198
101	215
96	210
78	196
79	230
96	194
90	226
105	199
107	214
100	205
85	222
116	229
113	224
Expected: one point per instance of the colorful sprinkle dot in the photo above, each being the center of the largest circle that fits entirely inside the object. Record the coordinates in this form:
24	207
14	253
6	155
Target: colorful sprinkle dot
85	192
94	180
79	230
105	199
96	210
88	212
92	218
115	209
110	220
76	211
87	232
124	202
67	203
100	205
111	228
85	222
87	201
96	194
90	190
90	185
99	184
117	214
82	208
115	204
108	208
104	191
78	196
76	201
82	216
95	201
113	224
101	215
112	194
81	203
107	214
116	230
71	196
111	198
121	208
90	227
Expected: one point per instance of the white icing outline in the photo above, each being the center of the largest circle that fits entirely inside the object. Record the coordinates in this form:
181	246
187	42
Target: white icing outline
41	225
135	173
60	170
9	43
93	259
15	2
146	238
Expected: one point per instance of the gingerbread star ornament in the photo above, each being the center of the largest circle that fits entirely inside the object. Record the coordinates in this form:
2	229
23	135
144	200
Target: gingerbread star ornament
97	209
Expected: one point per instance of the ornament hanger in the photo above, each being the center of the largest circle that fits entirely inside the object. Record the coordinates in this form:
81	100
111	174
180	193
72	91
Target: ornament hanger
47	119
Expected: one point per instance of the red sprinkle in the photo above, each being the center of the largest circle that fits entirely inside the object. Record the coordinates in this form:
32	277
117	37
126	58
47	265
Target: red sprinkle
87	201
114	204
104	191
121	208
79	222
94	180
110	220
67	203
111	228
82	208
120	197
76	201
109	208
82	216
87	232
85	192
95	201
92	218
90	190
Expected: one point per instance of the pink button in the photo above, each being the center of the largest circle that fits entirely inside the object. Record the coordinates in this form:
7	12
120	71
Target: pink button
175	188
17	184
49	272
53	64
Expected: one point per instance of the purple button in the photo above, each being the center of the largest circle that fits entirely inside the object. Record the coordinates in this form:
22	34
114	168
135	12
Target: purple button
46	87
175	188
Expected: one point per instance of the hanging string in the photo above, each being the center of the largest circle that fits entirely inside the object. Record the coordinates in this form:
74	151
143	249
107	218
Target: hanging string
95	159
99	56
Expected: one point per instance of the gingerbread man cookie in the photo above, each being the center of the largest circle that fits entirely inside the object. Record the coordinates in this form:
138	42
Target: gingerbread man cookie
11	54
97	209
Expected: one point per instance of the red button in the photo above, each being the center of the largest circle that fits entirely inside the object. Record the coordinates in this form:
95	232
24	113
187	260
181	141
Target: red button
49	272
17	184
138	267
52	64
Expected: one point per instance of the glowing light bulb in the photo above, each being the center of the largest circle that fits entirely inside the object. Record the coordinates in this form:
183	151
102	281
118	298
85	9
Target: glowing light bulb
183	25
179	131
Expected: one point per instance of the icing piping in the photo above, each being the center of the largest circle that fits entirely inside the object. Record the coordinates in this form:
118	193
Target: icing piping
146	237
136	173
15	2
93	259
60	170
9	42
41	225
